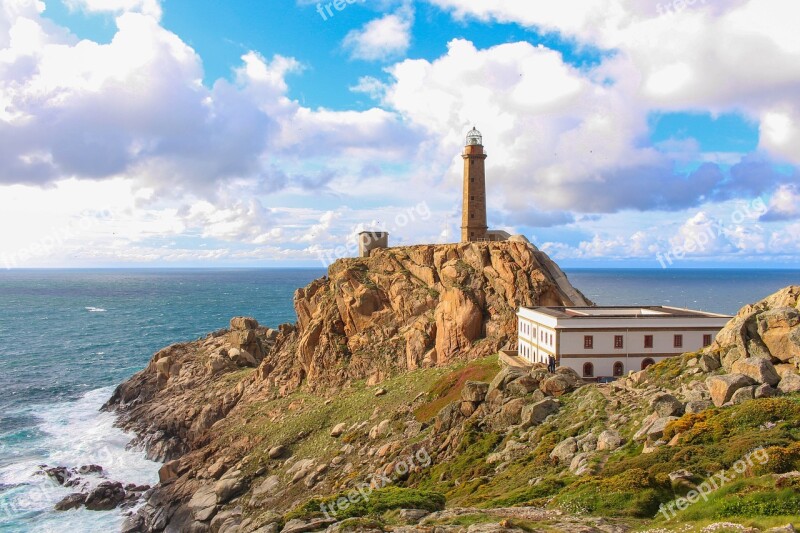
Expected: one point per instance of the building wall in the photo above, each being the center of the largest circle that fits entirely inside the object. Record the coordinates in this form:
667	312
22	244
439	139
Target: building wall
368	241
540	335
473	216
604	366
572	341
536	341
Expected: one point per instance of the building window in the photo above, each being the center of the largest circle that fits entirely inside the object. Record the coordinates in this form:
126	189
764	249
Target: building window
471	197
588	370
472	215
551	339
619	341
588	342
648	341
647	362
678	342
707	340
619	369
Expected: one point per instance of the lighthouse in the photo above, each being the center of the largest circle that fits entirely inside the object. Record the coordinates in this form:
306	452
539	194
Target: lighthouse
473	216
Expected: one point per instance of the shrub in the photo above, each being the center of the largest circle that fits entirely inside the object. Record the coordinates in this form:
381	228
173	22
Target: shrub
632	493
785	502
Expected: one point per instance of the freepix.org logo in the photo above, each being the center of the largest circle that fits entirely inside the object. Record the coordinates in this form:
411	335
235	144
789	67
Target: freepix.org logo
376	481
328	10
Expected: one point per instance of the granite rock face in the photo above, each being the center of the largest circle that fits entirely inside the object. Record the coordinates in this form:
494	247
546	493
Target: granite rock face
430	303
762	342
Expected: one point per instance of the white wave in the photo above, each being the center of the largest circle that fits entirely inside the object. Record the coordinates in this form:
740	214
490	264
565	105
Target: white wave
76	434
95	309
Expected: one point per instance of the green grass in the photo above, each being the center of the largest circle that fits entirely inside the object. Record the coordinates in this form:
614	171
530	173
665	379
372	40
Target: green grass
355	503
448	388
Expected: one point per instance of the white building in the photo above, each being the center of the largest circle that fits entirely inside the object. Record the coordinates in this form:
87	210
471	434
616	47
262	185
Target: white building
611	341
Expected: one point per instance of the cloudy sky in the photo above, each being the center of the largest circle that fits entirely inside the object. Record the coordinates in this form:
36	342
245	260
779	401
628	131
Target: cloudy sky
267	132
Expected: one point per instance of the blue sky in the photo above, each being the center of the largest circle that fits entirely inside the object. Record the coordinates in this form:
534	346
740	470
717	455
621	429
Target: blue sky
248	133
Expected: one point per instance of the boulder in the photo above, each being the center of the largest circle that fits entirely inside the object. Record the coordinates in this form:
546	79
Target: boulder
708	363
666	405
609	439
469	408
780	332
87	470
276	452
169	471
300	469
381	430
535	414
789	383
267	487
765	391
580	464
203	504
106	497
413	516
723	387
73	501
162	367
656	430
272	527
338	430
217	363
303	526
242	357
511	413
697	406
59	474
743	394
569	374
474	391
448	418
759	370
241	323
504	377
227	521
565	450
556	386
522	386
785	368
641	434
229	486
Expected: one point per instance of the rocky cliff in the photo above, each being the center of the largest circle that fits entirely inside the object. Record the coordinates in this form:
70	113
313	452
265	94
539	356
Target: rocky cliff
406	308
371	318
349	421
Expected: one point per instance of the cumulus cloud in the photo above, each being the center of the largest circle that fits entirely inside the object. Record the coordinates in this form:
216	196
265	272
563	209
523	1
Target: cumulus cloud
147	7
382	38
559	139
784	204
685	57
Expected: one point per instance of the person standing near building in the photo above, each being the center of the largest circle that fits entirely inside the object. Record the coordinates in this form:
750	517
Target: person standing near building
551	364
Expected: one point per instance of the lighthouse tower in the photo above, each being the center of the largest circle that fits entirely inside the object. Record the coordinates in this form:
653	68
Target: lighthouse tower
473	217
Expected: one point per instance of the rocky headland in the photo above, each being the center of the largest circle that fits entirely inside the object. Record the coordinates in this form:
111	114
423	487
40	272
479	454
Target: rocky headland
385	407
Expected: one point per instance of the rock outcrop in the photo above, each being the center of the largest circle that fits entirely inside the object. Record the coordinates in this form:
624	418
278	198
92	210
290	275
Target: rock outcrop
430	304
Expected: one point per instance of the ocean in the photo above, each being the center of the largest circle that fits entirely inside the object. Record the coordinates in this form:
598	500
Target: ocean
68	337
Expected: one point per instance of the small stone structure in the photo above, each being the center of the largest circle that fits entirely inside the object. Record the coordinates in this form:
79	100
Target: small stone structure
371	240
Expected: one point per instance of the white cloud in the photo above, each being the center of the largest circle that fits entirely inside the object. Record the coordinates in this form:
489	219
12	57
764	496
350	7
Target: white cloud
147	7
784	204
383	38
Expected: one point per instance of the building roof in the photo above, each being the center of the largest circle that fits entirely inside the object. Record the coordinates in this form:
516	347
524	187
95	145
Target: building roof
617	312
